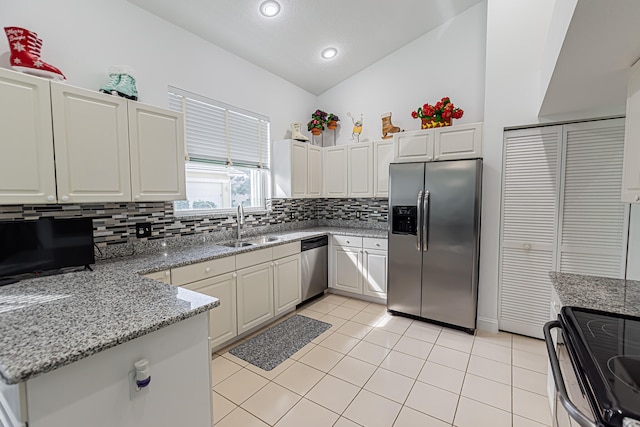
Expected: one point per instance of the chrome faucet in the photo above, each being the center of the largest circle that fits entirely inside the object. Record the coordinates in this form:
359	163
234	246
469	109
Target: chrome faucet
240	220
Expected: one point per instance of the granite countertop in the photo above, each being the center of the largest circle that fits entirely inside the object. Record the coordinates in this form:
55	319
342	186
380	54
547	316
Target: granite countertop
53	321
599	293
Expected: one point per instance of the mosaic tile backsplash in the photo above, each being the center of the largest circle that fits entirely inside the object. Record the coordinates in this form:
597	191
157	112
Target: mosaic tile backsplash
115	223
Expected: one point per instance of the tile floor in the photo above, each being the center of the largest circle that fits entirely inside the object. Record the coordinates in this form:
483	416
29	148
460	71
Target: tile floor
372	369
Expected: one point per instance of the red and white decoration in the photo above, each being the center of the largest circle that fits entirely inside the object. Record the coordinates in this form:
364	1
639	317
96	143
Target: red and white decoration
25	54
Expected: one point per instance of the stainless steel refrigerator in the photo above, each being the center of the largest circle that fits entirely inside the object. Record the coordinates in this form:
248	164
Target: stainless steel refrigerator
434	240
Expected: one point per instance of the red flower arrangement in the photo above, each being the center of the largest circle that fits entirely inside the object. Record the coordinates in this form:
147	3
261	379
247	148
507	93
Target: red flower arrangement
439	114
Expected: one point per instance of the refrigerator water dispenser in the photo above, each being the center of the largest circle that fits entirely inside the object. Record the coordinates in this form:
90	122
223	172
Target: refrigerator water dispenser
404	220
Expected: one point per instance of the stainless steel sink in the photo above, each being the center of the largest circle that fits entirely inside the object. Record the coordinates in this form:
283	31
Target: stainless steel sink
236	244
264	239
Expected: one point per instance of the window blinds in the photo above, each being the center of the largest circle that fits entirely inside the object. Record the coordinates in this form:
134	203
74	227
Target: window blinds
222	134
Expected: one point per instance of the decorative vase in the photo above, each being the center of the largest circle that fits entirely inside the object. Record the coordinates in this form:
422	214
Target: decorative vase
333	125
428	124
316	131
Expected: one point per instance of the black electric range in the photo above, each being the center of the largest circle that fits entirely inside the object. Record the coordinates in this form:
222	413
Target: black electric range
605	351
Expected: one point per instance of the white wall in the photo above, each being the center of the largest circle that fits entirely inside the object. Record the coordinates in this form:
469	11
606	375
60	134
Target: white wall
516	36
82	38
448	61
633	255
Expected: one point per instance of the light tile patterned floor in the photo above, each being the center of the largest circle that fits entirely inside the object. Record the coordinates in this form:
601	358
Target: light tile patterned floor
376	370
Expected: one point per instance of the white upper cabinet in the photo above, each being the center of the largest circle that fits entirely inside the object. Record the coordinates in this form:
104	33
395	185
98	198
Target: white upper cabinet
414	146
458	142
360	170
156	143
314	171
27	173
445	143
631	167
93	136
335	171
91	145
382	157
296	169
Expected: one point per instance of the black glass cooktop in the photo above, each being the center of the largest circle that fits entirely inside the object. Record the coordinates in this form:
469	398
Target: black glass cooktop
607	346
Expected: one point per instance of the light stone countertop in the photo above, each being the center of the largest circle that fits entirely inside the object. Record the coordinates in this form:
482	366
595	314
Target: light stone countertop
599	293
53	321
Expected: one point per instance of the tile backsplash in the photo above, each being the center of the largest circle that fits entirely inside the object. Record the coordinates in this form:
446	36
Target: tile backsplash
114	223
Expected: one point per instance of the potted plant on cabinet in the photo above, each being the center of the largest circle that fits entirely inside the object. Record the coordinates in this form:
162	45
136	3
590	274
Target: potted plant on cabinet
317	122
332	121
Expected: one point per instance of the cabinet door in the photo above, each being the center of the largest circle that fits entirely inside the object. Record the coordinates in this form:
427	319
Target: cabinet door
335	171
314	171
382	157
298	169
91	137
27	173
156	143
286	283
347	269
458	142
529	231
255	296
631	168
414	146
360	178
222	319
374	273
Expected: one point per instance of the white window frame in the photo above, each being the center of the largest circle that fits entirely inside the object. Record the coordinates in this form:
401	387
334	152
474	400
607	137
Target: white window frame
264	193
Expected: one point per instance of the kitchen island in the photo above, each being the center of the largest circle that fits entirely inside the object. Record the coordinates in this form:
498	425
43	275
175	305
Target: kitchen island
68	343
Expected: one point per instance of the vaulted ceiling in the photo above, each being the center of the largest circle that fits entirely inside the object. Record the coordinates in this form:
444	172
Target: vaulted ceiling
289	44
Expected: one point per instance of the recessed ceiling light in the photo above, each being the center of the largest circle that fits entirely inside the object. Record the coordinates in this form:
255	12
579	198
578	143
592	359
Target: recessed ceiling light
270	8
329	52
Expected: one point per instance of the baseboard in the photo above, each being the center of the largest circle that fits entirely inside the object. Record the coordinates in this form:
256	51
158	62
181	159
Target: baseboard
487	324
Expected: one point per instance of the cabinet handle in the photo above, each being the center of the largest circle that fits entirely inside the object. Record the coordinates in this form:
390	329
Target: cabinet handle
429	158
167	273
51	199
65	198
234	275
136	197
637	198
207	270
348	241
378	244
436	157
275	263
527	246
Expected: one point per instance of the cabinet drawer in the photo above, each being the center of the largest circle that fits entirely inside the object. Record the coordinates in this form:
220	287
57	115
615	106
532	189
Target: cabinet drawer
253	258
374	243
202	270
348	241
160	276
287	249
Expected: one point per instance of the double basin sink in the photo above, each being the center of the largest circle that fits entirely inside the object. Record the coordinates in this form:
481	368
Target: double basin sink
251	242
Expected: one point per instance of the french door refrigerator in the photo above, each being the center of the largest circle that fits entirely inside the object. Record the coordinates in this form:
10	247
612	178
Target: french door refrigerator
434	240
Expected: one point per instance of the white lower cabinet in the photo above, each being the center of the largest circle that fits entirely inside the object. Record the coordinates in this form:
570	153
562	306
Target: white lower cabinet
347	272
359	266
223	323
255	296
253	287
286	283
375	273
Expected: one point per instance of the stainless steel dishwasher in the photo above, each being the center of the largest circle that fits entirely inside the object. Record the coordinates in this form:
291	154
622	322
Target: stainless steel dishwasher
314	266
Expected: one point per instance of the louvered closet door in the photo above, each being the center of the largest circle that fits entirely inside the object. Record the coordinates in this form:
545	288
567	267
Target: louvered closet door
529	218
592	231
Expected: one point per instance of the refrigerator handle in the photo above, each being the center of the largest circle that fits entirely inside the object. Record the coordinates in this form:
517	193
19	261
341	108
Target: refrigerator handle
425	221
419	222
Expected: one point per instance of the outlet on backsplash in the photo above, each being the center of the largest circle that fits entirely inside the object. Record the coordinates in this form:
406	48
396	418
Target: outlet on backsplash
143	230
292	215
358	214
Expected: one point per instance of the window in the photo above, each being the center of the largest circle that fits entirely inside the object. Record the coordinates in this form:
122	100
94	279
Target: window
227	151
